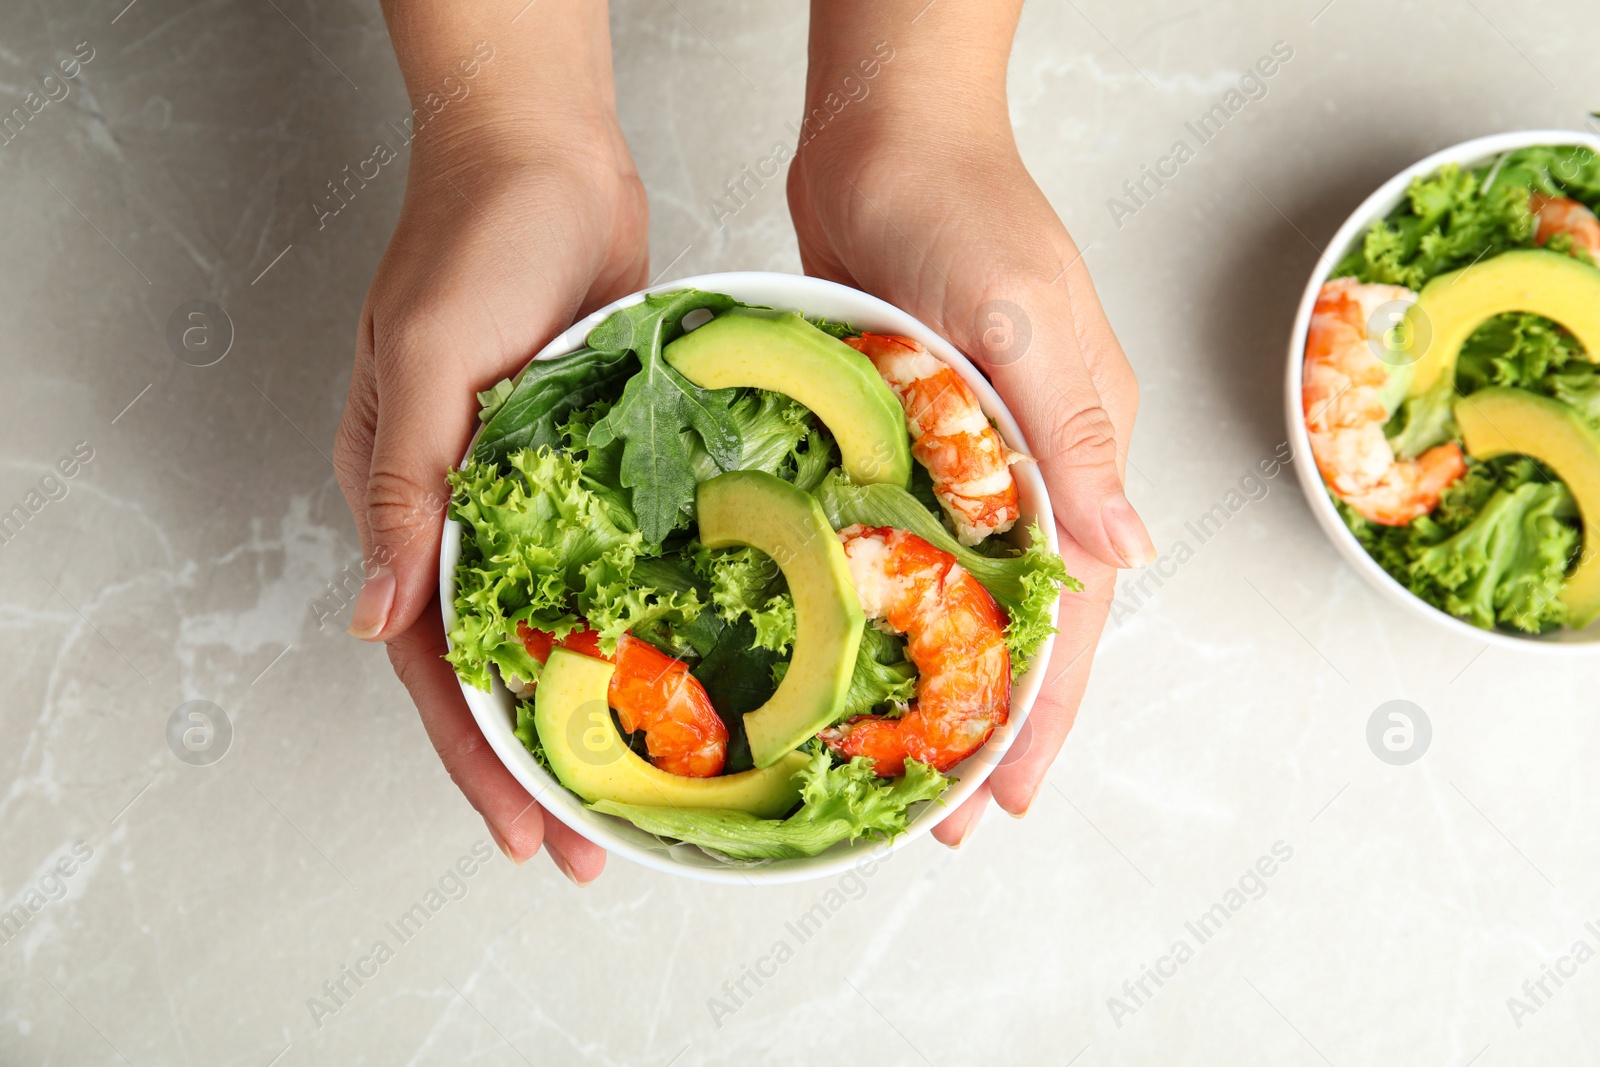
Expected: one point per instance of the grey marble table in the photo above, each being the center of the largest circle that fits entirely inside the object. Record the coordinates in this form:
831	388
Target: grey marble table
1218	792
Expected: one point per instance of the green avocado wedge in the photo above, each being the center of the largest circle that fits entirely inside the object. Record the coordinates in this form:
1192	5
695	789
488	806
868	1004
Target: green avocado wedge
1498	421
1453	305
589	757
782	352
765	512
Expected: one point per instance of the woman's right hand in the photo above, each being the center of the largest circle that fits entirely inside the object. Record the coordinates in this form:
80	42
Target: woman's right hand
523	211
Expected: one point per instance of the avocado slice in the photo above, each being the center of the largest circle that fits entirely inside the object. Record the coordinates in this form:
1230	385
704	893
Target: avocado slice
589	757
1453	305
782	352
757	509
1499	420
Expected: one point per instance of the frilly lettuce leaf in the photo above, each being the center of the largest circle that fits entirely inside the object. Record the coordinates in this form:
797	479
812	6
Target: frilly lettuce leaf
528	734
615	601
1494	552
1445	222
745	582
1424	421
777	434
1509	563
838	803
541	547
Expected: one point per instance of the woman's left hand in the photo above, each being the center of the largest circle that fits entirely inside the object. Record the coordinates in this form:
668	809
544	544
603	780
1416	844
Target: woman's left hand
915	192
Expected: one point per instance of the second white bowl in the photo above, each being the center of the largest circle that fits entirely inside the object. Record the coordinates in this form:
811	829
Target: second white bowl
1376	207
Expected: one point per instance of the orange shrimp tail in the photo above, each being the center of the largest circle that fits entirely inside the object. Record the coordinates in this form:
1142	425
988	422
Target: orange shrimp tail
969	464
955	636
653	692
1345	411
1413	487
1562	214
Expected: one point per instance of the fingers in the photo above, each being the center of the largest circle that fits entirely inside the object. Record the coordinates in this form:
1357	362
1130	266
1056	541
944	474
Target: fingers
517	823
1071	428
423	416
1016	782
574	855
959	824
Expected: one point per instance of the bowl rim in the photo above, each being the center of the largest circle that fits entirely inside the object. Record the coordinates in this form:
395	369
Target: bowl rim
1373	208
494	710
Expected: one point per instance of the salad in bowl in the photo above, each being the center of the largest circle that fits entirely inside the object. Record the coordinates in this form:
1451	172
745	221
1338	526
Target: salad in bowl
1446	377
738	581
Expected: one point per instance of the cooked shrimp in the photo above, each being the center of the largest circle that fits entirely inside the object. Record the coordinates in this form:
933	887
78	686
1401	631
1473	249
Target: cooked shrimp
955	637
1562	214
1345	411
655	693
950	436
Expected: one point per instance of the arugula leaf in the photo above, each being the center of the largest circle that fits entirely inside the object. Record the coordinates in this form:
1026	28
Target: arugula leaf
738	678
658	406
527	412
838	804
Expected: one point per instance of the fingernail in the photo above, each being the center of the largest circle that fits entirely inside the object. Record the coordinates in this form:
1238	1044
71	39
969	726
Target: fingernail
561	865
1028	806
1128	535
371	612
971	826
500	843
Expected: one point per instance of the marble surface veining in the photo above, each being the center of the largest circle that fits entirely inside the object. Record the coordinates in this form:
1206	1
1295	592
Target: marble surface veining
201	551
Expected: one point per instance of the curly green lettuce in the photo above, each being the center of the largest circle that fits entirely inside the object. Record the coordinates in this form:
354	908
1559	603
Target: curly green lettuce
1526	351
1446	221
778	435
1517	349
1579	387
1025	583
1424	421
747	583
838	803
540	547
1495	552
1556	170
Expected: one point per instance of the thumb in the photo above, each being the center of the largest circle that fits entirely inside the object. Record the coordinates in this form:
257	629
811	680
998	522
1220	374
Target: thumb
422	424
1073	436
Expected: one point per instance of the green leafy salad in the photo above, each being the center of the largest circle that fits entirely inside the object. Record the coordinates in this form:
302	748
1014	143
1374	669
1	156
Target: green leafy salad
651	562
1486	328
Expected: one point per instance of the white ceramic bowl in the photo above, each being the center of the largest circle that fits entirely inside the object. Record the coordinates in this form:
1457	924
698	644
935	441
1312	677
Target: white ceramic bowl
495	710
1377	206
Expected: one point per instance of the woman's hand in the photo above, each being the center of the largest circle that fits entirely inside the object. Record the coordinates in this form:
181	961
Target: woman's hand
913	191
522	212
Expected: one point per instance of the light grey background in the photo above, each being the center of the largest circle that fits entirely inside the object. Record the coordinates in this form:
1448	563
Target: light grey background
1228	709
